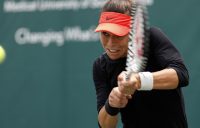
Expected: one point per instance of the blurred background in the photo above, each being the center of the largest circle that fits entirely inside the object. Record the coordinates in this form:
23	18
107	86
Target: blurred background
46	79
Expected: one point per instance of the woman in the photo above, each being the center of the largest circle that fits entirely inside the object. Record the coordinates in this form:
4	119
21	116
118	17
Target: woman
155	100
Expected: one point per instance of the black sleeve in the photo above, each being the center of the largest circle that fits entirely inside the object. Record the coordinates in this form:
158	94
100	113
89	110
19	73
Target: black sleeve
100	81
167	55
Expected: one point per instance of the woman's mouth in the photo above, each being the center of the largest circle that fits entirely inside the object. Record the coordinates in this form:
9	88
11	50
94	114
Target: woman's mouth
113	50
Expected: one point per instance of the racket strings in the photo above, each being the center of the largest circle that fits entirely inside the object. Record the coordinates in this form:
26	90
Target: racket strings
146	34
138	40
131	53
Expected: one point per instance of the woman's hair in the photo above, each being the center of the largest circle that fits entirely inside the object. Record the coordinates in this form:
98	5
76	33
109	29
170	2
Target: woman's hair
120	6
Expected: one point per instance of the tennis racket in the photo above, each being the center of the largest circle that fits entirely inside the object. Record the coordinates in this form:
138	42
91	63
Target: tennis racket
138	44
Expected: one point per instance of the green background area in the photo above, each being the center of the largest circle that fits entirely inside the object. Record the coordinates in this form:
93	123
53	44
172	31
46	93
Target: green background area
52	87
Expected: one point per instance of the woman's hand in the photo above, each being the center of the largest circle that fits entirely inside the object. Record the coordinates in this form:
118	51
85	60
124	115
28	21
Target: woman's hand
128	86
117	99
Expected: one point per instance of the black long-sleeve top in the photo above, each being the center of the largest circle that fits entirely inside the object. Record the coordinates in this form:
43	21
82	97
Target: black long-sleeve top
147	109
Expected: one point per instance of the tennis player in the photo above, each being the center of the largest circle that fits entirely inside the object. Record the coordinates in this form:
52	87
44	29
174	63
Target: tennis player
155	99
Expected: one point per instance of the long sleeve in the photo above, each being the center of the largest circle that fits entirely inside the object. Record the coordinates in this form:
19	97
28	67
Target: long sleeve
167	56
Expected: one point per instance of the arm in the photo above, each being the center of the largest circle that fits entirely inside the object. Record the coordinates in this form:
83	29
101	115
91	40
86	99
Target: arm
114	98
108	114
165	79
165	64
106	120
169	70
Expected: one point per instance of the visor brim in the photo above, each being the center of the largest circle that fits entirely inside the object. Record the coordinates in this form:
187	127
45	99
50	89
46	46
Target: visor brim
115	29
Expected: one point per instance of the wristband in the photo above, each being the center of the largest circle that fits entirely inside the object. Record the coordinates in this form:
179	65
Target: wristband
111	110
146	79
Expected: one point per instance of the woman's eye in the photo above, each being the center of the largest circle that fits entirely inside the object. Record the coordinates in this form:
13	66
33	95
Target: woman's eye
105	33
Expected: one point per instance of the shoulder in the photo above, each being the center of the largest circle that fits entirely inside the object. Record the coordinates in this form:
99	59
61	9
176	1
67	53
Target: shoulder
158	35
100	61
99	68
154	29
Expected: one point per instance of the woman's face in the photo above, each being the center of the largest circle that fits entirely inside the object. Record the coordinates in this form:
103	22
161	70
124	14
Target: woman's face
115	46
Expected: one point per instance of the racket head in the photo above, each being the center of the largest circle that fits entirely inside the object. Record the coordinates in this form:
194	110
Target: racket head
138	45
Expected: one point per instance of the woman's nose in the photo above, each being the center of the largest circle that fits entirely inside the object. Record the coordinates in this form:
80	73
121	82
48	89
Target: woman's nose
112	40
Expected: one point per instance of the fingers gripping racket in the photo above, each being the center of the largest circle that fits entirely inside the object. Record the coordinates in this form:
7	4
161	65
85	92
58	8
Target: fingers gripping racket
138	44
